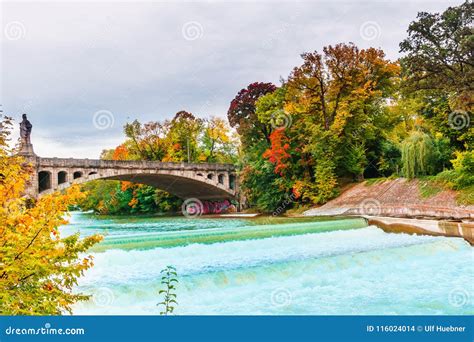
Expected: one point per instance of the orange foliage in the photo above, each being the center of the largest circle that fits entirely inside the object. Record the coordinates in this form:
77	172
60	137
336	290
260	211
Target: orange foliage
120	153
124	186
133	202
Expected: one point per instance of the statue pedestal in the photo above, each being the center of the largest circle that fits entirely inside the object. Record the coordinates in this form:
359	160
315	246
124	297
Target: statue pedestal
27	150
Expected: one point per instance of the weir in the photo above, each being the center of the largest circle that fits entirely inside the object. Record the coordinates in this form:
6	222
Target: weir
214	235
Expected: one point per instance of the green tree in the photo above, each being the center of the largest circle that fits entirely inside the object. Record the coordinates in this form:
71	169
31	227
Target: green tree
439	53
184	133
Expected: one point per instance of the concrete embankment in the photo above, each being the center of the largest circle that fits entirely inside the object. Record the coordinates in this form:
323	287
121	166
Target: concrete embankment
398	206
396	198
426	227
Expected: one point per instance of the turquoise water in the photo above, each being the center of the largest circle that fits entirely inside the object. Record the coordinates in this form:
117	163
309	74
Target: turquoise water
296	267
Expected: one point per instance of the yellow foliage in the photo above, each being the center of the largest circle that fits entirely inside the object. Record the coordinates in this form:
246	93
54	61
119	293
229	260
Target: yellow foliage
38	268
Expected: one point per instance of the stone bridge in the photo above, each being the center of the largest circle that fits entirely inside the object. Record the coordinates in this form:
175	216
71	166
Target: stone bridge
186	180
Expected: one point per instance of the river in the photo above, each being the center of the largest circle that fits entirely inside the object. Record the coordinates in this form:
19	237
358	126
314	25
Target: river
272	266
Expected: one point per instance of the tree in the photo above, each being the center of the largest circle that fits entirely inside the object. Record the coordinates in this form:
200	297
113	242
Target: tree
262	187
335	99
278	153
38	268
147	141
326	121
218	145
269	109
242	116
120	153
355	160
439	53
417	152
183	135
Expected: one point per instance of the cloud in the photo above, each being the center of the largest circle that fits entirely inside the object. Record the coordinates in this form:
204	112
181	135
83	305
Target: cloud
148	60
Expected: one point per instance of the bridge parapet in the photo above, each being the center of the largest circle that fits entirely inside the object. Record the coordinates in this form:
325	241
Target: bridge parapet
105	164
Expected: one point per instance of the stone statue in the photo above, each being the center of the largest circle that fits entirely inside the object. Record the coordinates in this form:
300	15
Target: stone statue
25	131
26	148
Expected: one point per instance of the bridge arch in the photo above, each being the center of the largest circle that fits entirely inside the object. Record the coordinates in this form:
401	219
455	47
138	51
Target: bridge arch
44	181
232	181
77	174
62	177
178	185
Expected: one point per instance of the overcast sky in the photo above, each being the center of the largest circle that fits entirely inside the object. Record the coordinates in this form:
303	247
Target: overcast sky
81	70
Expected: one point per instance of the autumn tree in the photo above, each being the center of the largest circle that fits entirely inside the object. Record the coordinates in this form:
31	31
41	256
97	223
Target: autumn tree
147	141
120	153
242	116
335	98
184	131
38	268
327	120
217	141
278	154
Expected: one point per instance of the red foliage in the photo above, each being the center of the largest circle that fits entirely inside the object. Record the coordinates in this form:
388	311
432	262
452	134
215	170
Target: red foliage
278	154
242	107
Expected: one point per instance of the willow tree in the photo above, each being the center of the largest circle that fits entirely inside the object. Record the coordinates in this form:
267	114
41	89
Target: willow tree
417	153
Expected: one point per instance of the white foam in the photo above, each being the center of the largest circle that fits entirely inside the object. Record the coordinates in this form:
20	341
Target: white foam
122	266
